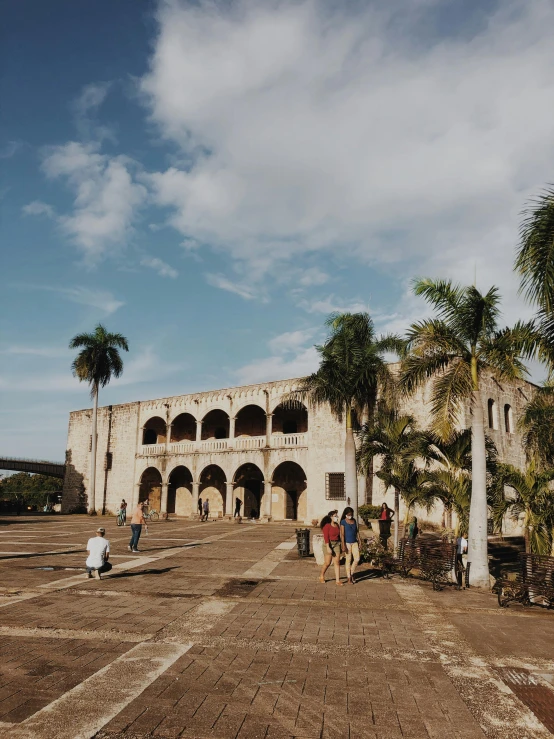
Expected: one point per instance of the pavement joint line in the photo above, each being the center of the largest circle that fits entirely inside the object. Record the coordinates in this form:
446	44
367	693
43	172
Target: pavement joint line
54	633
79	713
492	703
270	561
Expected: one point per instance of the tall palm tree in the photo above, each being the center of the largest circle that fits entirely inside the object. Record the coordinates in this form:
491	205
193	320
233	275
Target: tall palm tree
535	263
97	362
533	499
402	448
454	350
351	374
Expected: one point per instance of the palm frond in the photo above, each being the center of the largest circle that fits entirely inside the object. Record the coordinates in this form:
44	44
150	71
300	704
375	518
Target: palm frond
535	256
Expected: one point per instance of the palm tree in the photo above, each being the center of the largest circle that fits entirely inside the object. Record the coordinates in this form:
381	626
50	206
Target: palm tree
451	481
351	374
401	447
454	350
535	263
97	362
533	499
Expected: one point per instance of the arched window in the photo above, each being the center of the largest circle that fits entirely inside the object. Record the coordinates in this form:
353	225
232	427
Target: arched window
150	436
508	421
491	405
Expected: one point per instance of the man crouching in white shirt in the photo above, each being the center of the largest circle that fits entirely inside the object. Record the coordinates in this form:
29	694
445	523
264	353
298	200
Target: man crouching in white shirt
98	555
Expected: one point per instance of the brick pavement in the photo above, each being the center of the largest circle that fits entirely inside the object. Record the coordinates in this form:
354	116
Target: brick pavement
274	656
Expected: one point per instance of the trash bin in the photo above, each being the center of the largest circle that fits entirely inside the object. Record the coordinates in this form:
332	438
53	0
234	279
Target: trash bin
303	542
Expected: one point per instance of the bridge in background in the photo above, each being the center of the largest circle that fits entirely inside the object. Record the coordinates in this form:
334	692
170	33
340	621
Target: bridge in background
35	466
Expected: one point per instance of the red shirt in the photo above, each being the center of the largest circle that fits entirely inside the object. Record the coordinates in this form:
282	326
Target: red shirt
384	515
330	533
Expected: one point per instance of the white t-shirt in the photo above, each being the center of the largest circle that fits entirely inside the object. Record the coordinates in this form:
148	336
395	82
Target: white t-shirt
462	545
98	547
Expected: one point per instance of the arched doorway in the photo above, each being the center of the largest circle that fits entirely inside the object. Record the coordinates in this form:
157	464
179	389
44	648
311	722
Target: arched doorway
250	421
154	431
151	487
179	492
215	425
289	484
293	420
213	488
183	428
249	487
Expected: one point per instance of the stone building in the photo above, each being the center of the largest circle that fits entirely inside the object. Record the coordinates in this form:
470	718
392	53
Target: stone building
241	443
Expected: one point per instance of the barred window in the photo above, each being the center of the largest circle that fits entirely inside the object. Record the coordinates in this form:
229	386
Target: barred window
334	486
108	461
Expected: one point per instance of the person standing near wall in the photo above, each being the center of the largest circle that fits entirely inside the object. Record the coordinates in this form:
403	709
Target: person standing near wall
238	504
137	522
200	508
332	547
350	542
206	509
385	519
123	512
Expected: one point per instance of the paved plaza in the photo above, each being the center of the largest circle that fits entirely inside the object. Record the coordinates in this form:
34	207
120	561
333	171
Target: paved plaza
217	630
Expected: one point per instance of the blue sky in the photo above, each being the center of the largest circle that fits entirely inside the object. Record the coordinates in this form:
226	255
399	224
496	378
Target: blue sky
212	179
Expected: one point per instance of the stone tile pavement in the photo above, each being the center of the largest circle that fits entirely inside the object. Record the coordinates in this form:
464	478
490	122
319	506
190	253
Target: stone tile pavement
180	641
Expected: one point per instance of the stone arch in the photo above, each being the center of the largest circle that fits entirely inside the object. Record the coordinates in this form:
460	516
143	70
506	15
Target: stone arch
249	488
179	491
154	431
492	414
151	487
250	420
215	425
213	488
293	420
290	488
183	428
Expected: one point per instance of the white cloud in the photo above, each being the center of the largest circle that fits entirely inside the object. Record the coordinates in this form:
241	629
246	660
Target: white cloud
313	126
313	276
332	304
91	98
290	341
161	267
278	368
223	283
104	300
10	149
38	208
106	196
53	352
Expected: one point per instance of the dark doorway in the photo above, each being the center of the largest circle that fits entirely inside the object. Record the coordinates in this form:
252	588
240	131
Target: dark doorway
252	498
291	511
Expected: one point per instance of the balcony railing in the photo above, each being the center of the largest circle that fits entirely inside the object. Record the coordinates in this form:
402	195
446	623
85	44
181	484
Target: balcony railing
278	441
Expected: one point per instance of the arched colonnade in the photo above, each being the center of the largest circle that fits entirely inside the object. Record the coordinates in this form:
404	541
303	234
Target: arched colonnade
282	496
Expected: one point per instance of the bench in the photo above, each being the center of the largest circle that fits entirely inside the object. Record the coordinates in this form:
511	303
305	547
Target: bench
435	560
534	583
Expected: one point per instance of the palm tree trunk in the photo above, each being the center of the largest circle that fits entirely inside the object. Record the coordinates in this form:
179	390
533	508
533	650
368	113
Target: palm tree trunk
350	471
396	519
477	539
92	481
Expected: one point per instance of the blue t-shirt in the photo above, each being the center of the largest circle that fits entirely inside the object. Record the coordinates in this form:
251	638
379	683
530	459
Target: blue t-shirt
350	531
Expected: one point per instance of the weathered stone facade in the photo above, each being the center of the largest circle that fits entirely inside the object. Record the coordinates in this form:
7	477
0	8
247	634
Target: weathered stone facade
239	443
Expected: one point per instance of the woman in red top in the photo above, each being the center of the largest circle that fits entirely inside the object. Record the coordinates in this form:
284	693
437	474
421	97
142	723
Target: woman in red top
330	529
384	524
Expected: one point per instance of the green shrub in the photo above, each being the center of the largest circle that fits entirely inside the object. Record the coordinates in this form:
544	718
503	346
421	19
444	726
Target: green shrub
369	512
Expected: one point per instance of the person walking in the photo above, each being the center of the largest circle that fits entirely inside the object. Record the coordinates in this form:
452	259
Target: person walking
200	508
98	550
206	506
122	512
137	522
350	542
461	549
413	529
332	547
238	504
385	519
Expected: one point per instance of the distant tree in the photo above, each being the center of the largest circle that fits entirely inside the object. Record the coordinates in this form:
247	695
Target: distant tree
33	489
97	362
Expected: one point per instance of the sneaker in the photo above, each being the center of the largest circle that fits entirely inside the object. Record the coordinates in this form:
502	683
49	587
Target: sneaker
129	548
136	550
89	575
97	575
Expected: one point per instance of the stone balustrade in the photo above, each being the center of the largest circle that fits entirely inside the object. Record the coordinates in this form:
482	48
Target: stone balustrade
277	441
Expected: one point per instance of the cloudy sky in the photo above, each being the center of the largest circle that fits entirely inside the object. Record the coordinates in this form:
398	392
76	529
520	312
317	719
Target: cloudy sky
212	179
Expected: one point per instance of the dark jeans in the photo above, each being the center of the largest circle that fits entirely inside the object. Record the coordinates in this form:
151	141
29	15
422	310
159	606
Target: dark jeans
106	567
384	531
136	529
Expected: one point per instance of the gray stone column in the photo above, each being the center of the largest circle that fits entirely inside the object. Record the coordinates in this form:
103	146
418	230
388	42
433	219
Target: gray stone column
198	432
268	418
163	502
167	438
195	495
229	499
268	492
232	431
